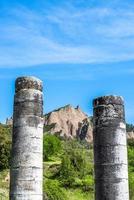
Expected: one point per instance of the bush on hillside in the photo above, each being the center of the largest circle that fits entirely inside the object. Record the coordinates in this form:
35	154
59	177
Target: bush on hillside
54	191
130	143
67	171
51	146
5	146
131	167
75	164
131	185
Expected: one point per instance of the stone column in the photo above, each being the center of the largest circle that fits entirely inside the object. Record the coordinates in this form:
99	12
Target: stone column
26	174
110	149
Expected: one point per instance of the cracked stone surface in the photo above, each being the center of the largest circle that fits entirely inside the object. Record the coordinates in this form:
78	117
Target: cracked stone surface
110	149
26	174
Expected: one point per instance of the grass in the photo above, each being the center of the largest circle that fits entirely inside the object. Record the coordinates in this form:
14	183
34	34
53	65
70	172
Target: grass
4	185
53	160
75	194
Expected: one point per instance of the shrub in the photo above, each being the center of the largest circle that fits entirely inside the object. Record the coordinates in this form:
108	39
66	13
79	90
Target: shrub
131	167
5	146
51	146
67	171
131	155
131	185
130	142
53	190
75	164
88	183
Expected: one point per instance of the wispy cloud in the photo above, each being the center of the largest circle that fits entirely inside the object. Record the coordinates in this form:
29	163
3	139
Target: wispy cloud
66	34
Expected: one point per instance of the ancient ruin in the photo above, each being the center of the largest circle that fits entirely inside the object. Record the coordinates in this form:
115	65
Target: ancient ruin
109	137
26	174
110	149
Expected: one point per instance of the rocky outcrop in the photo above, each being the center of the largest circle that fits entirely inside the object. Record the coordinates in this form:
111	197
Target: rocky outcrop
69	122
130	135
9	121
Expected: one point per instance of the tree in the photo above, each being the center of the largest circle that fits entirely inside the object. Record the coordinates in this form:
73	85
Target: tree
76	164
51	146
5	146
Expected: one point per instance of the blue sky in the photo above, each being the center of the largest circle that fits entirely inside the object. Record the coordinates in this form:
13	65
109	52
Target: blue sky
81	49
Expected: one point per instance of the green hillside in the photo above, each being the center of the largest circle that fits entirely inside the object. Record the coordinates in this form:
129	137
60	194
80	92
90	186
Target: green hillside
68	168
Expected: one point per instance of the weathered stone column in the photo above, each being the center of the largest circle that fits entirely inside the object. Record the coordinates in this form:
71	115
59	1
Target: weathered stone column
110	149
26	174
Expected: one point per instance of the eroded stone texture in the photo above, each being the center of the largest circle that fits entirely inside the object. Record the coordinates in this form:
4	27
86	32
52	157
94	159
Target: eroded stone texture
26	174
110	149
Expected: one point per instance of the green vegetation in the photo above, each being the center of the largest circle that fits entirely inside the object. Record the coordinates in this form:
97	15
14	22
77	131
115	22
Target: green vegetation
53	190
129	127
76	165
70	171
5	146
68	167
51	146
131	167
4	185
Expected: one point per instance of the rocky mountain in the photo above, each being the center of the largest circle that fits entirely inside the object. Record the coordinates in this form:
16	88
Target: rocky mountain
69	122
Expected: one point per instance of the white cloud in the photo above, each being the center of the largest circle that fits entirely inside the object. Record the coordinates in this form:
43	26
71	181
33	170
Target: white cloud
66	35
